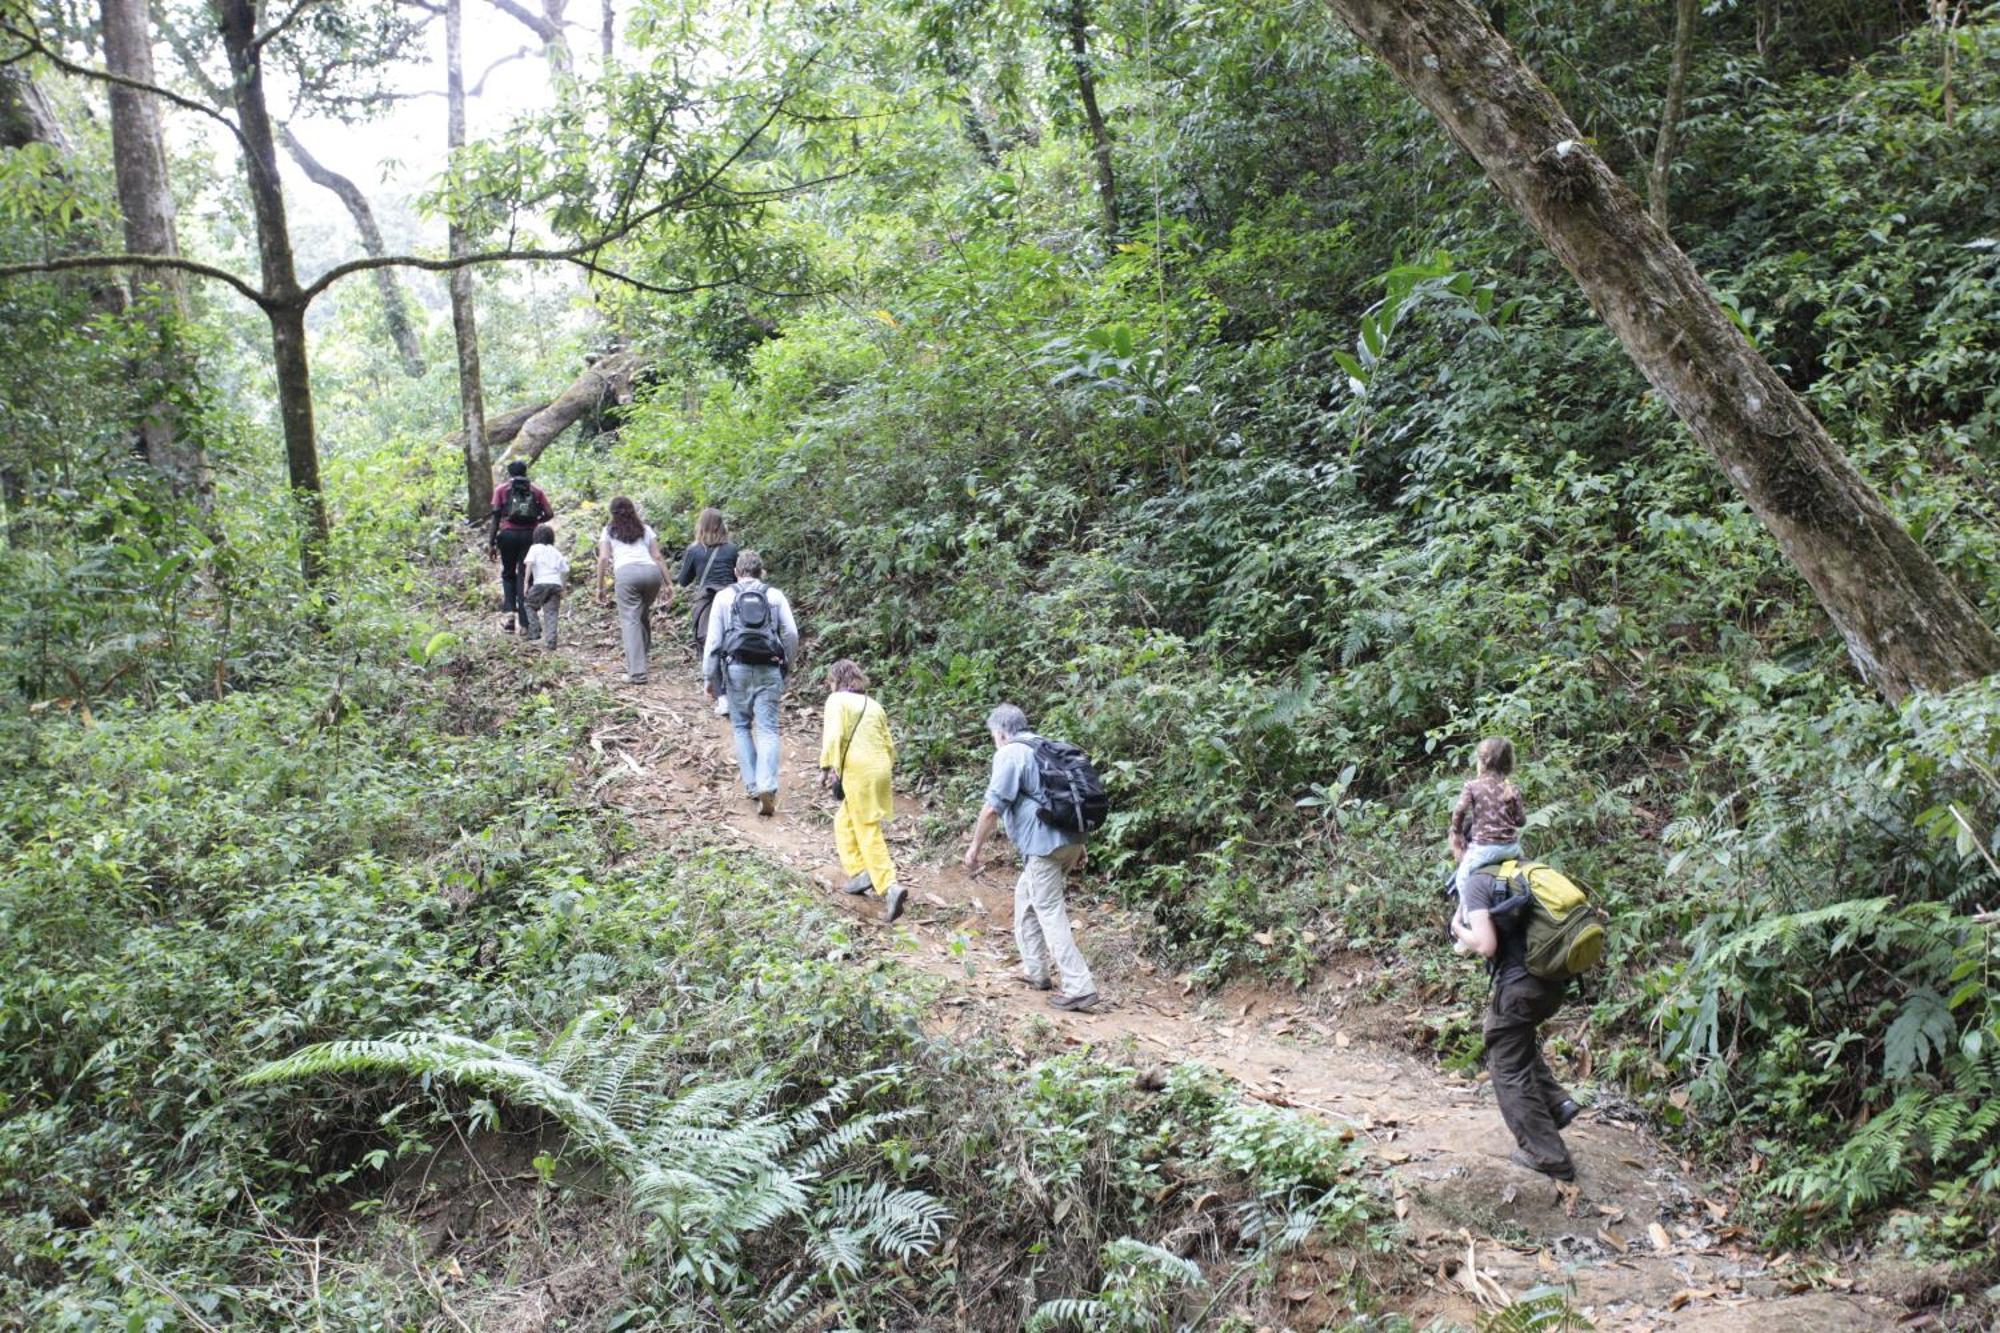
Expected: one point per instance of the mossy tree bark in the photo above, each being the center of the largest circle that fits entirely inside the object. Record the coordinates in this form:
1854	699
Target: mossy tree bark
1667	145
464	317
146	202
1076	27
1905	625
283	302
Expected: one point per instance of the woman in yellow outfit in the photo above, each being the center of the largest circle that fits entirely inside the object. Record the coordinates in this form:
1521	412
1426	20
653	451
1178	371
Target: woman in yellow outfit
857	750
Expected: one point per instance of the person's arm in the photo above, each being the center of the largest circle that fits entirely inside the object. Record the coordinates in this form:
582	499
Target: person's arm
689	571
493	531
989	819
711	653
832	726
604	569
542	505
666	575
1461	819
1517	811
1002	789
1475	931
789	628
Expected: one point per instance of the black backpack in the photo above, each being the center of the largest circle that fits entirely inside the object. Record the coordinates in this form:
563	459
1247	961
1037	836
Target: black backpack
754	638
521	506
1073	796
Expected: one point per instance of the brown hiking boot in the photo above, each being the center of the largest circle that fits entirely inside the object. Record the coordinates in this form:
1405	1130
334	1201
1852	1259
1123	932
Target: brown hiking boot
767	803
1073	1003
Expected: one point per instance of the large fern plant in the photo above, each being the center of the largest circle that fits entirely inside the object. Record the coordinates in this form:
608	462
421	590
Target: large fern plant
717	1166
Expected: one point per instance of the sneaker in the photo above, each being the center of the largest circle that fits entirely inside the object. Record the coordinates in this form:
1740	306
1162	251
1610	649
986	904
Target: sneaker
722	706
507	625
1073	1003
894	907
861	883
767	804
635	680
1567	1112
1563	1172
1034	983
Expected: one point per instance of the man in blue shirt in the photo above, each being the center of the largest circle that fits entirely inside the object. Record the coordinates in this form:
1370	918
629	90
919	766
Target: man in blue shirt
1041	921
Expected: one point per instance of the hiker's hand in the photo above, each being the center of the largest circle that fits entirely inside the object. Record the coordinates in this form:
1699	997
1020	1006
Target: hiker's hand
973	864
825	778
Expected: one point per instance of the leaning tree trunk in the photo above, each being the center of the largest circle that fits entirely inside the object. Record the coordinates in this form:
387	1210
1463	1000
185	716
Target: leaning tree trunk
464	319
1668	144
1905	625
284	303
395	310
1077	21
503	428
146	199
609	378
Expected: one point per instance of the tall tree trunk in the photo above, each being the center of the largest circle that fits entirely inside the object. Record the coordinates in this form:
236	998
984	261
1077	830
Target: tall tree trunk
1669	142
395	309
146	199
1076	19
464	321
1905	625
25	114
395	312
556	47
607	32
284	303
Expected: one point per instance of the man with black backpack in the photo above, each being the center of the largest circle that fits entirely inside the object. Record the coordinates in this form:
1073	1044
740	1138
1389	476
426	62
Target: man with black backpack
1493	922
1048	797
752	643
519	507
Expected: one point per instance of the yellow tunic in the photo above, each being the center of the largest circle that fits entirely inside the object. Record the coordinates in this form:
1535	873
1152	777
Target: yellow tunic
866	777
871	755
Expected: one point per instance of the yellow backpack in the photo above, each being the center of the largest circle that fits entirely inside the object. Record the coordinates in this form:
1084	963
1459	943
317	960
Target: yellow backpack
1565	929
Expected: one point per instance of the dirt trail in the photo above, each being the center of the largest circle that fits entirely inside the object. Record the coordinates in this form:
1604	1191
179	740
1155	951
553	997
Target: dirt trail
1644	1246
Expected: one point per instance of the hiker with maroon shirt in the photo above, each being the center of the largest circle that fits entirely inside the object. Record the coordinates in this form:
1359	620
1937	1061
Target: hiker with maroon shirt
519	507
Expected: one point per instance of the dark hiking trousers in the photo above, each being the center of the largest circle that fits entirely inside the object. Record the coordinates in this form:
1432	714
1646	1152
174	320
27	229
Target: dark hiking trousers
513	543
1528	1093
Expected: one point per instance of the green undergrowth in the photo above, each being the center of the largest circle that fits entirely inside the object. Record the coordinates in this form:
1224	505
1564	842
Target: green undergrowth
1281	505
378	888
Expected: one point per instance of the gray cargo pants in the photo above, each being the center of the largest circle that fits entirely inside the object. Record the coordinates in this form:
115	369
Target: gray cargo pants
540	609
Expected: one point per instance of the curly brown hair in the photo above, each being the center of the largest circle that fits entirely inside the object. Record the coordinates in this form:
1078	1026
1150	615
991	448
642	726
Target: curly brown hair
846	674
625	525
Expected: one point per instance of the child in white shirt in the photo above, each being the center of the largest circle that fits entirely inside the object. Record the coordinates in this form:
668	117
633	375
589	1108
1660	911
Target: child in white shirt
544	568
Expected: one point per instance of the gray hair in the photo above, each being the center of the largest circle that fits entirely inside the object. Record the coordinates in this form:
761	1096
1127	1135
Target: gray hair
749	565
1008	720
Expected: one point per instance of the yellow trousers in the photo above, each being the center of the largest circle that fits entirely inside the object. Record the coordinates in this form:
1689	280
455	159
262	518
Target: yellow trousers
862	847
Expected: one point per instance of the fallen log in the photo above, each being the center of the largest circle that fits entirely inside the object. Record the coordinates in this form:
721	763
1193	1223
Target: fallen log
503	428
607	380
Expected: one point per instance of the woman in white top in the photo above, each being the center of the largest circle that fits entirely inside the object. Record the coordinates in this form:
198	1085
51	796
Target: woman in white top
629	563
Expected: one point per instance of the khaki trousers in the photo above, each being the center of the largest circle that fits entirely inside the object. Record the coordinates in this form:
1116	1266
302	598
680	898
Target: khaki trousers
1041	921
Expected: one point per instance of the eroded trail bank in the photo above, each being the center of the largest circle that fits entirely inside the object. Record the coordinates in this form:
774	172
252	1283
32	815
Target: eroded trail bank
1641	1242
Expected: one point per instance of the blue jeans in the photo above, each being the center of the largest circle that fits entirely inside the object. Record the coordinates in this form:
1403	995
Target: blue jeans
1483	854
753	712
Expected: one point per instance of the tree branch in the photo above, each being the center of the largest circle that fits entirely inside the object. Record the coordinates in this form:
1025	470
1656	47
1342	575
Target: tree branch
68	263
36	46
534	22
258	42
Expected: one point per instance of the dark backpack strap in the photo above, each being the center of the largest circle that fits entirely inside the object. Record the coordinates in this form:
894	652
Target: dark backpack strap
708	568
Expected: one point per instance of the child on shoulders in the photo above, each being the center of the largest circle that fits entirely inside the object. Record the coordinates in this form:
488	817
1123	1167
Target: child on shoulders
1486	822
